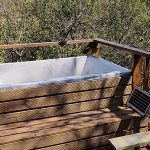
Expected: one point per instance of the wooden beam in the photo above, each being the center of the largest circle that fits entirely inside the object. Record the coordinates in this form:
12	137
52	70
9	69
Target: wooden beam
137	70
72	42
124	47
131	141
146	74
28	124
27	45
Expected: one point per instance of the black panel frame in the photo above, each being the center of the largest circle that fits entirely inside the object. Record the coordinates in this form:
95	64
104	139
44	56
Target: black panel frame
129	104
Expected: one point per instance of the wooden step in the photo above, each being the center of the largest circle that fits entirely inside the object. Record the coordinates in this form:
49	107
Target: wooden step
98	142
73	127
53	122
131	141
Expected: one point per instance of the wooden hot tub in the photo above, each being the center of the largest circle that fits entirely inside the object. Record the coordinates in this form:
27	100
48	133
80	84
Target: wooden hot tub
69	103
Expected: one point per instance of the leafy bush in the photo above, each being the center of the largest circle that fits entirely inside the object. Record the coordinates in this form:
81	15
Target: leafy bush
24	21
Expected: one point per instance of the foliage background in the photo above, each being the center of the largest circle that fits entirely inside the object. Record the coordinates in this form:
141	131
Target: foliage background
25	21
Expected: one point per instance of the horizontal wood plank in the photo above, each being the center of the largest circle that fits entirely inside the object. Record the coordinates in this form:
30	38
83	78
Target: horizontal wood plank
70	133
131	141
70	119
43	44
54	130
124	47
39	113
124	110
63	99
101	116
53	89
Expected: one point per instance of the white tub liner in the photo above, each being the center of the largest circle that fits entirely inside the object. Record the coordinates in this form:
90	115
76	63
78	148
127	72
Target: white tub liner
43	72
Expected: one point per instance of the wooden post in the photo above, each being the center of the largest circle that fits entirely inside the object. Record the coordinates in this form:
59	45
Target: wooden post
93	46
146	74
137	70
95	51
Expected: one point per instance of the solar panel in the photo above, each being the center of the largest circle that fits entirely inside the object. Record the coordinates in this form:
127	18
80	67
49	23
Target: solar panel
139	101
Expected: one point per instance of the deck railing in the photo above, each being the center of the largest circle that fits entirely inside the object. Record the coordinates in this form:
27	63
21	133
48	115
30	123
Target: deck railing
141	58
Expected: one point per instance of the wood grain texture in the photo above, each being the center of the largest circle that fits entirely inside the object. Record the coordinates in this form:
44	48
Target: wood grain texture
146	74
131	141
90	143
71	42
37	140
137	70
124	110
78	115
72	132
45	112
93	47
44	44
72	100
124	47
109	93
54	89
64	120
64	99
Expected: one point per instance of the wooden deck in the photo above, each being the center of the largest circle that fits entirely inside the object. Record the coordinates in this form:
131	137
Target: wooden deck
73	131
72	116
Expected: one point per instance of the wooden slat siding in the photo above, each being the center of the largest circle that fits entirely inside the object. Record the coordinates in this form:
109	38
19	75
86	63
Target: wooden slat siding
93	142
101	114
46	112
124	47
137	70
62	109
52	89
70	133
124	110
146	74
63	99
44	44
